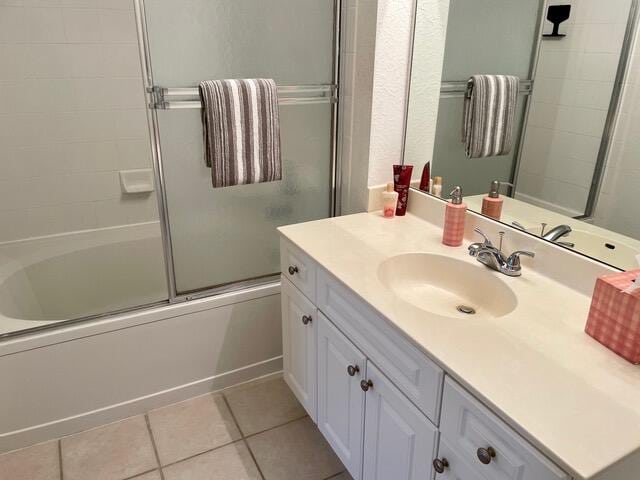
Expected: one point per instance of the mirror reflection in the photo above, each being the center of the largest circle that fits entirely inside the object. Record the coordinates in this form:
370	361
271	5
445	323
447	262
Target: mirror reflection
536	118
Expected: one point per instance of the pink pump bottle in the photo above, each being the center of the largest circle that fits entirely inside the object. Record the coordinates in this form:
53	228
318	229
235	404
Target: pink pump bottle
455	215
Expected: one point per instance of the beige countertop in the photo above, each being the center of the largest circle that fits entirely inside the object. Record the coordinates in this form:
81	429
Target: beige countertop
535	367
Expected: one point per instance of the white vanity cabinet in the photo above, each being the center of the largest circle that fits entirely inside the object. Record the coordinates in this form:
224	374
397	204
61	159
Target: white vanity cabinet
383	405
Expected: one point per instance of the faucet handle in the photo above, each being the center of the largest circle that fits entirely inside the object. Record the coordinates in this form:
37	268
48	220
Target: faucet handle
487	242
513	262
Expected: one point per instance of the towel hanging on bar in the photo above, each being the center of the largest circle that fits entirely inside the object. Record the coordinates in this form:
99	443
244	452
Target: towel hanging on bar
489	115
241	126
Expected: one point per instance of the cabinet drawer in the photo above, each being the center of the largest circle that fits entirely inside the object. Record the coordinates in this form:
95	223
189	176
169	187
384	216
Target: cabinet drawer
298	267
456	468
407	367
468	426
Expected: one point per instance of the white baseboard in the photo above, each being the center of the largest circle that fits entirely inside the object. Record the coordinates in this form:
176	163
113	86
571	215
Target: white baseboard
136	406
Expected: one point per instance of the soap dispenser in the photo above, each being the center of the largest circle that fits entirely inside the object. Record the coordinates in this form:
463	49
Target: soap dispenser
454	219
492	203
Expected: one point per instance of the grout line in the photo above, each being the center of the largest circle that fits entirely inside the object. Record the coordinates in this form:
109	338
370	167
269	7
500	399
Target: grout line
233	416
201	453
277	426
153	444
244	439
138	475
60	458
336	475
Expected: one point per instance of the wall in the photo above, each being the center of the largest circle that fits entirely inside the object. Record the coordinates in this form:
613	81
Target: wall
357	60
72	115
391	79
574	82
426	78
616	205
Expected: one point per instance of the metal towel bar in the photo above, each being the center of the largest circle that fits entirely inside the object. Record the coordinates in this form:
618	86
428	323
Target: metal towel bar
164	98
458	89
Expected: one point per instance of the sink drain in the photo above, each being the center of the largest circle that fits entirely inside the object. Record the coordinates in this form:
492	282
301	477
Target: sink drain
466	310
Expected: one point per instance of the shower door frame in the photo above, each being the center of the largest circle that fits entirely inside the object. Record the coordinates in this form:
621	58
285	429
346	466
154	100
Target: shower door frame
156	150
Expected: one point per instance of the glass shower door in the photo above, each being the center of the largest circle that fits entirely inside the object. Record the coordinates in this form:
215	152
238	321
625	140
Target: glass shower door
228	235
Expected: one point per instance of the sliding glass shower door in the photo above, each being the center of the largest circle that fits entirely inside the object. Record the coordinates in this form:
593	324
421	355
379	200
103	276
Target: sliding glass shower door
228	235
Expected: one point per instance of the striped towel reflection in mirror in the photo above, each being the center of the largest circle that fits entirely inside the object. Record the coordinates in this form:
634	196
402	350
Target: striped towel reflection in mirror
241	126
489	115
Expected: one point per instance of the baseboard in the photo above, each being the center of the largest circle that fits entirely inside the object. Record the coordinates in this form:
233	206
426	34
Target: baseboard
136	406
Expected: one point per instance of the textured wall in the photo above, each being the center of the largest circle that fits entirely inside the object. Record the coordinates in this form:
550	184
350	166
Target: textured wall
391	80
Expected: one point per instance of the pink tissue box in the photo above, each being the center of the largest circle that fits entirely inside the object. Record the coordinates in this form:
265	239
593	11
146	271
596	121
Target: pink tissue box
614	318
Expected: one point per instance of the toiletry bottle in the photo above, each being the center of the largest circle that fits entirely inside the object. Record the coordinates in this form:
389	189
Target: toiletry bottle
454	219
389	201
437	187
492	203
401	184
425	180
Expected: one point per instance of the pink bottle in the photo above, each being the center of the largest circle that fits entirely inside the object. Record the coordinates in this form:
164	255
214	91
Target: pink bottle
455	215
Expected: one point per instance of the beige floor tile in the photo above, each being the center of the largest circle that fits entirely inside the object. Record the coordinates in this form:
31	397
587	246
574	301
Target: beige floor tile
295	451
113	452
192	427
155	475
265	404
232	462
342	476
40	462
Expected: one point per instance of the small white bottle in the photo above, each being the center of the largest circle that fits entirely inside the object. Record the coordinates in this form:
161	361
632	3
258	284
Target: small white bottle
437	187
389	201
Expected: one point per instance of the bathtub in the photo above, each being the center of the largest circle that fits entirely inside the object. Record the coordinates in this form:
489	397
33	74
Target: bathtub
61	277
58	381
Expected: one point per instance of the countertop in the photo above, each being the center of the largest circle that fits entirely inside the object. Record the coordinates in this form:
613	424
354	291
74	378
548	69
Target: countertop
571	397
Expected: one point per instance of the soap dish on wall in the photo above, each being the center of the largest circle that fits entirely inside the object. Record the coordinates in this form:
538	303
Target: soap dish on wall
137	181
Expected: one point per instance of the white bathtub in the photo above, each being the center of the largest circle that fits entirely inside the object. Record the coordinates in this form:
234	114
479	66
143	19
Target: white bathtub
68	276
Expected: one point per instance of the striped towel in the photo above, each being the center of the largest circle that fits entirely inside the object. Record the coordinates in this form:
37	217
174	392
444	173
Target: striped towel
489	115
241	131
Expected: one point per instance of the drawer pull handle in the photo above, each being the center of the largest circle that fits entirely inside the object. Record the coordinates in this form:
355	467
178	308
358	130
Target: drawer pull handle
440	465
306	319
352	370
293	270
365	385
485	455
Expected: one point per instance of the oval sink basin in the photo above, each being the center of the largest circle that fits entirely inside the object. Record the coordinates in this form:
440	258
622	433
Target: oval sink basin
446	286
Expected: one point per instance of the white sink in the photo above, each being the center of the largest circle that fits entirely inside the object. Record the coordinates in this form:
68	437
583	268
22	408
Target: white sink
446	286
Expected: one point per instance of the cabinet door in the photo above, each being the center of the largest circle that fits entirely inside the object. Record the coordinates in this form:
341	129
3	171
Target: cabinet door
341	368
399	441
299	346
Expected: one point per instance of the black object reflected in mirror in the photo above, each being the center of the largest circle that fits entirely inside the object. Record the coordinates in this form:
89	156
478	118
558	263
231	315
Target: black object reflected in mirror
556	15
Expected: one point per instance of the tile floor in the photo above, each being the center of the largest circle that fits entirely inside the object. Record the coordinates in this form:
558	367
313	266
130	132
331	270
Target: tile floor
255	431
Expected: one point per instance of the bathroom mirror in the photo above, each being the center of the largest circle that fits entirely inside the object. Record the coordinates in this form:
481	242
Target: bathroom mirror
574	162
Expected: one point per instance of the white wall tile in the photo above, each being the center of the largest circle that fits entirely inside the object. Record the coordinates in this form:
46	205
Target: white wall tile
72	115
82	25
44	25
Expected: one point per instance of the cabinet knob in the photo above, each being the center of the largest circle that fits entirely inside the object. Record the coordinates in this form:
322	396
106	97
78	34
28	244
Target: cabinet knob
293	270
440	465
352	370
365	385
485	455
306	319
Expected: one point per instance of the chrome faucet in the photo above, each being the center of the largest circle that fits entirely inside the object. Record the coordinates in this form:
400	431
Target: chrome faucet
492	257
557	233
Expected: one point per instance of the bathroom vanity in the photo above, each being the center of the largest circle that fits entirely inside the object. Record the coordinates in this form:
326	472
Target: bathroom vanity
417	362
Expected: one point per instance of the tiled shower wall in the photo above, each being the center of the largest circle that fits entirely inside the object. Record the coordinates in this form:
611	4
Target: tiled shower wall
574	82
617	205
72	115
